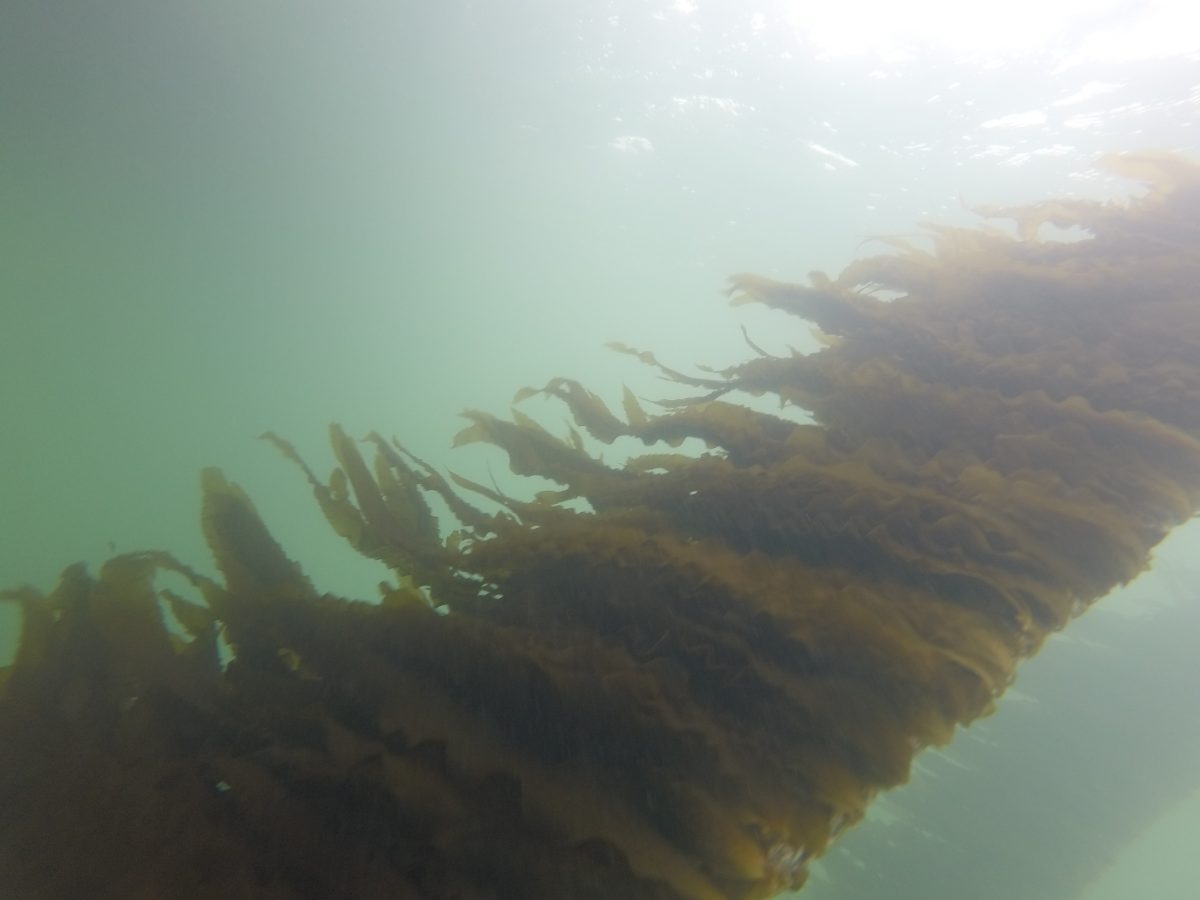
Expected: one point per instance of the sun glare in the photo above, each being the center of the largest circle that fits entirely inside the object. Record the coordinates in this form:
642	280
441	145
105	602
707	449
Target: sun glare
1084	30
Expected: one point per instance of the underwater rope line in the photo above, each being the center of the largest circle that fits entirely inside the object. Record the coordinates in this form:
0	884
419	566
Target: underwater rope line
685	692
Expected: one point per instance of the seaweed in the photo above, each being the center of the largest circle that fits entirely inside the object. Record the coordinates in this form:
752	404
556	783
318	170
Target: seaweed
686	690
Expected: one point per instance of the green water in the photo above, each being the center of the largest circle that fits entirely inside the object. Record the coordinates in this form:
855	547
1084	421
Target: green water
226	217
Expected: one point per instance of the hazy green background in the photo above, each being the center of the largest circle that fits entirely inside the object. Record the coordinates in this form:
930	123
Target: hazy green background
224	217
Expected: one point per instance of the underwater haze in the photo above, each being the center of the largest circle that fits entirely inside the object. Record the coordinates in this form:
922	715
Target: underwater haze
226	218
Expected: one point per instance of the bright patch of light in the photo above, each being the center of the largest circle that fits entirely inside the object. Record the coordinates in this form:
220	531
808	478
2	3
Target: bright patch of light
685	7
832	155
631	143
1093	30
1159	29
1017	120
1084	121
1087	92
702	103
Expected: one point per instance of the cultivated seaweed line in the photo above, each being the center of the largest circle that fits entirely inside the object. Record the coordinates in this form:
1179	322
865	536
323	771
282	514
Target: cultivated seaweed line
685	692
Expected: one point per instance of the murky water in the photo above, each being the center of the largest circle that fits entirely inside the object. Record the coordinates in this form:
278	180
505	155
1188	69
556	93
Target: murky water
225	218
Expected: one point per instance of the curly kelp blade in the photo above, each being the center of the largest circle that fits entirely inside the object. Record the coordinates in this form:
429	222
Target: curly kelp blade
685	692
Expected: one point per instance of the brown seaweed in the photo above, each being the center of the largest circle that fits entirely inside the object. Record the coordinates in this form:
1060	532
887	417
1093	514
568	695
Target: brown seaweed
684	692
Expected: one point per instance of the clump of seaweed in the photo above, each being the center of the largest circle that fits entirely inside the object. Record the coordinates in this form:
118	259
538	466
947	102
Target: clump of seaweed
685	692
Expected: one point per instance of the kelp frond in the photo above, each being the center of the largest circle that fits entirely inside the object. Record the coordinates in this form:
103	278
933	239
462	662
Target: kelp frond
685	692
